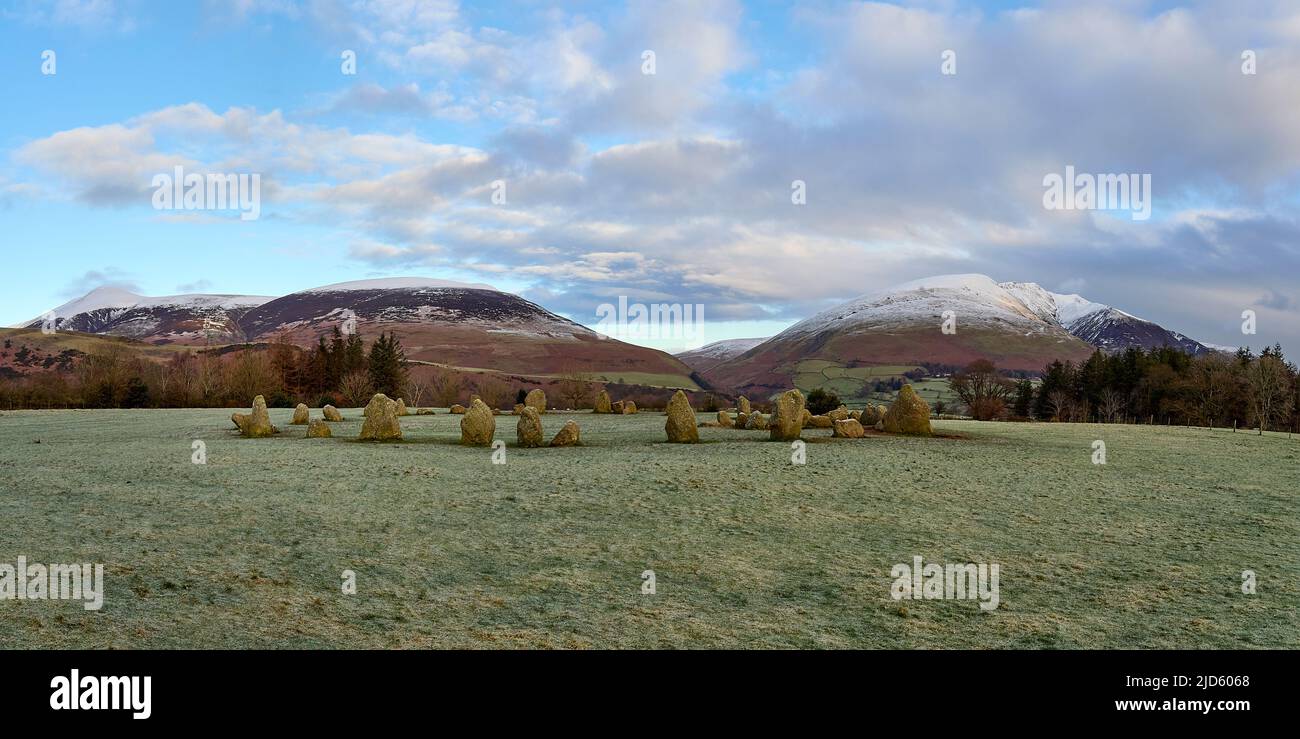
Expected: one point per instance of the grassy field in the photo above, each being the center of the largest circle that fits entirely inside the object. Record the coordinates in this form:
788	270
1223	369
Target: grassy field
547	550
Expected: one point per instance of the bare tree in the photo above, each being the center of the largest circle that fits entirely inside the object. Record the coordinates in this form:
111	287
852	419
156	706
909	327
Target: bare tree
1111	406
1211	382
575	387
1058	402
1269	384
495	391
982	390
356	388
445	386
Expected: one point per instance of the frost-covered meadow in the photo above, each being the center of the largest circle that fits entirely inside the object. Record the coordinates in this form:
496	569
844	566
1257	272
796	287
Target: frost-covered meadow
548	549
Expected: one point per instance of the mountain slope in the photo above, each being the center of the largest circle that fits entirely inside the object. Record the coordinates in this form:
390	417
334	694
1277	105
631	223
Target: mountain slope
184	319
903	326
438	321
709	356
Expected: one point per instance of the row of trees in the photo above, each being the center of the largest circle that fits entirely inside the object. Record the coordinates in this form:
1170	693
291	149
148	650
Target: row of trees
1162	385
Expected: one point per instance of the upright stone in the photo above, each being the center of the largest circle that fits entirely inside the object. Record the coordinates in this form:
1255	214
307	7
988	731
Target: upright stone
401	407
742	405
602	403
908	415
256	424
478	426
536	399
787	421
529	428
332	414
680	425
724	420
301	415
629	408
381	420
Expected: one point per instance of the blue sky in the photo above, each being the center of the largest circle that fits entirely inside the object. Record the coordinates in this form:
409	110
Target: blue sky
672	187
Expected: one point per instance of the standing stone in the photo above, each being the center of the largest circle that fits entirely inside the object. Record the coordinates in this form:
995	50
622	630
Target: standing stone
381	420
848	428
629	408
602	403
257	424
318	429
456	408
742	420
519	409
908	415
805	419
529	429
856	416
332	414
787	421
570	435
742	405
839	414
680	425
401	407
536	399
617	408
724	420
756	421
478	426
301	415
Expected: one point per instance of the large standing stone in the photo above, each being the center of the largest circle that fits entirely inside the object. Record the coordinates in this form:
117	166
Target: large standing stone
381	420
602	403
301	415
536	399
908	415
742	405
724	420
787	421
332	414
569	435
318	429
478	426
848	428
256	424
529	428
680	425
401	407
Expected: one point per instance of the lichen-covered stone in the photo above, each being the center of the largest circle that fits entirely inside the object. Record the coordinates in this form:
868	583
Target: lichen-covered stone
536	399
529	428
908	414
680	426
381	420
256	424
569	435
848	428
602	403
301	415
318	429
742	405
332	414
724	420
478	426
456	408
787	420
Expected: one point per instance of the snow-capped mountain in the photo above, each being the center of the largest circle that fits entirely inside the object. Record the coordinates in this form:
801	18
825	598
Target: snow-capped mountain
1017	325
438	321
167	319
709	356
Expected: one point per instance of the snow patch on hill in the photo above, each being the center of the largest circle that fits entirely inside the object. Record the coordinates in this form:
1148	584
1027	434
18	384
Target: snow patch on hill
399	283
